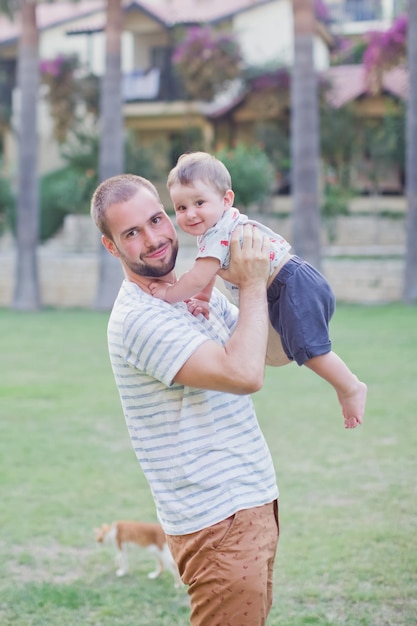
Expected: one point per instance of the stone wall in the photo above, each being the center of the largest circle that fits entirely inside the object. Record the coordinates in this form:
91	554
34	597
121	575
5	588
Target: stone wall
364	262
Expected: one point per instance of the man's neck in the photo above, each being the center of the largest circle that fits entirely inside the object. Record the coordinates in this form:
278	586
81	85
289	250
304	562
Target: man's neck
144	281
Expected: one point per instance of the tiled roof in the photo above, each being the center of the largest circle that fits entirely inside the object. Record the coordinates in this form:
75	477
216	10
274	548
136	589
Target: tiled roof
194	11
345	83
348	82
49	15
167	12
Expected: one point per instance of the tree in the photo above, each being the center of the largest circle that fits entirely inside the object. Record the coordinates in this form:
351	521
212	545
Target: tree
386	50
26	294
207	61
111	143
305	137
410	277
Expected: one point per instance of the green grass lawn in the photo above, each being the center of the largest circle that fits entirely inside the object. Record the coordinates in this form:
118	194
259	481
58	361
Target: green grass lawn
348	499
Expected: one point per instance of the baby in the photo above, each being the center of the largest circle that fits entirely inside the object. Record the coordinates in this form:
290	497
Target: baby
300	300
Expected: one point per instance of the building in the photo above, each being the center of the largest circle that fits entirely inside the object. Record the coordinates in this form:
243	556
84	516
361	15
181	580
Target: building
155	108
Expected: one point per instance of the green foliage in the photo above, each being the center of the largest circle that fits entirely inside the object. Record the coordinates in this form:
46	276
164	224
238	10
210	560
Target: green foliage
348	142
340	146
275	140
348	52
189	140
251	171
140	160
7	203
384	143
69	190
7	72
69	94
63	192
336	200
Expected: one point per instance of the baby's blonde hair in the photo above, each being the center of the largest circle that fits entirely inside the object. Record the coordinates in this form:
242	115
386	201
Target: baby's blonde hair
202	166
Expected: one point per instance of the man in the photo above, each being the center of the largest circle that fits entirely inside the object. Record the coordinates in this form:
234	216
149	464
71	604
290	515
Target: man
184	379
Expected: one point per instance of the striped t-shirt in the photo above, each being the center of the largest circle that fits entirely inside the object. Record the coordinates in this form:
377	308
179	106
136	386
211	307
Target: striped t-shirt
202	452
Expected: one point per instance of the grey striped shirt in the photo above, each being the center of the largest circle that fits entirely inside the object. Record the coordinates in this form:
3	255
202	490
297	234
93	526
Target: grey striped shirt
202	452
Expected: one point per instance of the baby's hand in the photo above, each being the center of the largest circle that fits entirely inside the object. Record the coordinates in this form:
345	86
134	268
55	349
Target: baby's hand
159	290
196	306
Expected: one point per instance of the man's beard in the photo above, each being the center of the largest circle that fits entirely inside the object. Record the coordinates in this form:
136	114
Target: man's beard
150	271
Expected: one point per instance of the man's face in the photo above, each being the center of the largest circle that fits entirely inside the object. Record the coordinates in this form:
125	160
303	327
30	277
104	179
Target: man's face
144	237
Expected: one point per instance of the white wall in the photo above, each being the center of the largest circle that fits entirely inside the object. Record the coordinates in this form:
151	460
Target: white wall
265	34
89	48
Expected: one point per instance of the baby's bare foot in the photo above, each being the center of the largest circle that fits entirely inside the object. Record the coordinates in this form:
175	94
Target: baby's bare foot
353	404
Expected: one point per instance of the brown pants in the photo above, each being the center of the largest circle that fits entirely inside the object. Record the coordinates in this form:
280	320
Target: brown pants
229	567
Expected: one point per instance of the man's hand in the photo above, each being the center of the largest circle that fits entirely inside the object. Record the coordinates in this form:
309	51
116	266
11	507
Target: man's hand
249	257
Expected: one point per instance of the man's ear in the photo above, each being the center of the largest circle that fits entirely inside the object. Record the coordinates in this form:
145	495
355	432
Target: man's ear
229	198
109	245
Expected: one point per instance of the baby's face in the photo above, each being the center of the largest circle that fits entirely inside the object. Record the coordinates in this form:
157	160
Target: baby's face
199	206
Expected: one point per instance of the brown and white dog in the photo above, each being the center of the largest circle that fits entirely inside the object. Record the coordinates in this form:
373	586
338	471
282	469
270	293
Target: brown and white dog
144	534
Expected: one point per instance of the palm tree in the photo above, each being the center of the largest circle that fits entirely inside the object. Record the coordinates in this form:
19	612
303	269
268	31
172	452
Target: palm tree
111	142
305	137
26	294
410	277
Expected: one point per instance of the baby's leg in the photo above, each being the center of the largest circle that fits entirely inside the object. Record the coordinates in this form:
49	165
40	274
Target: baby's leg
351	392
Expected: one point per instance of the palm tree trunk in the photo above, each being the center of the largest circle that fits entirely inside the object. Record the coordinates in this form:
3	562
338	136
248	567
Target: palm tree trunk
410	277
26	293
111	142
305	151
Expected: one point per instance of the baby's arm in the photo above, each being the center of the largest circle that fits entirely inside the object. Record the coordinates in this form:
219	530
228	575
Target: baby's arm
191	283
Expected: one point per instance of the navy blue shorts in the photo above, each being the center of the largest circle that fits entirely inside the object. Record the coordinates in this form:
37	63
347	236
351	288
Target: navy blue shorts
301	304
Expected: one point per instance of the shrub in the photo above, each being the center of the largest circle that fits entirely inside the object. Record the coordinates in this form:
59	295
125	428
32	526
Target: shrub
7	204
69	189
251	171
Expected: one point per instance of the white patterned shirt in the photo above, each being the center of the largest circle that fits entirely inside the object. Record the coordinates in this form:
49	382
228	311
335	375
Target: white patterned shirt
215	242
202	452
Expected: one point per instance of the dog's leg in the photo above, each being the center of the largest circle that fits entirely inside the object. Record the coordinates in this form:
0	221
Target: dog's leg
159	569
170	565
122	562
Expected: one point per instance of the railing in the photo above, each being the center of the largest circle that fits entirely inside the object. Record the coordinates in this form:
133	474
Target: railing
152	85
355	11
365	10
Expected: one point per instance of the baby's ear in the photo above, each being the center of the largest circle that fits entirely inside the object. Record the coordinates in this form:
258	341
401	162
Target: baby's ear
229	198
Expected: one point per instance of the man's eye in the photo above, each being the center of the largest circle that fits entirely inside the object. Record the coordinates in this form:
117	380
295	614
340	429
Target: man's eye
131	233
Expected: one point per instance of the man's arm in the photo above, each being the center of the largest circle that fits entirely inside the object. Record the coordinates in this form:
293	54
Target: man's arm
238	367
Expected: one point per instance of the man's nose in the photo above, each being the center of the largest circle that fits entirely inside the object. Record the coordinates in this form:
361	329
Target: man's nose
151	237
